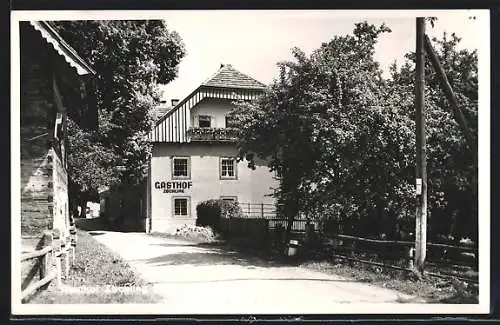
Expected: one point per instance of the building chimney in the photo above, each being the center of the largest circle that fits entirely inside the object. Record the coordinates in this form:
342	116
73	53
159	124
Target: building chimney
174	102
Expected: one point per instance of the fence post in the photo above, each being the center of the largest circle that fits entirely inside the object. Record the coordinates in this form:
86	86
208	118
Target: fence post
410	252
45	259
57	250
72	232
262	210
249	209
66	258
351	248
73	250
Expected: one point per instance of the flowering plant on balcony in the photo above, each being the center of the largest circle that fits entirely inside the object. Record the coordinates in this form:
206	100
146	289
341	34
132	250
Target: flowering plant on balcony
213	134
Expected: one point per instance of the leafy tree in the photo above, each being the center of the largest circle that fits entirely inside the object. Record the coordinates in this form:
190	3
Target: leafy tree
451	165
131	58
314	123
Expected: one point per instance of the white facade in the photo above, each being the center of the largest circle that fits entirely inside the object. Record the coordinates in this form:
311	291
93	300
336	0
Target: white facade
204	182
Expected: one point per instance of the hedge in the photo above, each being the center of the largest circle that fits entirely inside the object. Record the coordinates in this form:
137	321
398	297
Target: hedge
209	213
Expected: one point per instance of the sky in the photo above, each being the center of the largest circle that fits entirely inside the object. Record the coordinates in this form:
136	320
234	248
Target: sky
254	41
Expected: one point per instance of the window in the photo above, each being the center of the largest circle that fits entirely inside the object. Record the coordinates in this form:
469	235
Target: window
228	168
204	121
181	207
229	122
180	168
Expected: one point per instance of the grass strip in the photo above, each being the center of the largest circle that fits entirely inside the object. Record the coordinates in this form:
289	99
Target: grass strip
97	276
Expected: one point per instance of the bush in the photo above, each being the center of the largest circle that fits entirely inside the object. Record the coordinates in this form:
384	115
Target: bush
209	213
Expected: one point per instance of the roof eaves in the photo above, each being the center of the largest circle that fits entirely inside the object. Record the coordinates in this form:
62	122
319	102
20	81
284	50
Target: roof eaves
70	55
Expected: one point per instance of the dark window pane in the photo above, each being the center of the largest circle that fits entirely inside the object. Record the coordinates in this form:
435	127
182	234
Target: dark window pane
180	207
229	122
227	167
204	121
180	167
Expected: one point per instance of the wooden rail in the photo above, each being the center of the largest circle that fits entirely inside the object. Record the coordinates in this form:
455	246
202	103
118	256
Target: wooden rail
375	241
36	254
55	250
37	285
43	256
443	276
407	243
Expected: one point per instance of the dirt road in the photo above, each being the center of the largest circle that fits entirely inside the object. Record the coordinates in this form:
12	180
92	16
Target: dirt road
208	279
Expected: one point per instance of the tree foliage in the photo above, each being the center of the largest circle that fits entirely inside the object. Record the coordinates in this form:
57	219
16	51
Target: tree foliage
131	59
342	138
451	164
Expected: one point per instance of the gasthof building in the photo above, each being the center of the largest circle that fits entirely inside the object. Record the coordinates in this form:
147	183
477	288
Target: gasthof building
194	155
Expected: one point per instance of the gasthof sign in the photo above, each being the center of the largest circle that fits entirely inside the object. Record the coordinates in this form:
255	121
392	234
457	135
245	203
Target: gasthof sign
173	186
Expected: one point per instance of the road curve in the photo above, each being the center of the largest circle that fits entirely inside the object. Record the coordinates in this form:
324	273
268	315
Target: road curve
204	279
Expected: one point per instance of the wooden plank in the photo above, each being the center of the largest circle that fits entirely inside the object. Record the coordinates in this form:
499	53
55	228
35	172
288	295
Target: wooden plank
36	254
448	276
37	285
405	243
374	263
459	248
375	241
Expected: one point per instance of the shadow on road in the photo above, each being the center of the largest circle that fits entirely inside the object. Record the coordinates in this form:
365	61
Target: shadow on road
96	224
268	279
91	224
218	253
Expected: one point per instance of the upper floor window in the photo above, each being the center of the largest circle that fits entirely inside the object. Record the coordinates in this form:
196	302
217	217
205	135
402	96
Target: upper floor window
229	122
228	168
204	121
181	168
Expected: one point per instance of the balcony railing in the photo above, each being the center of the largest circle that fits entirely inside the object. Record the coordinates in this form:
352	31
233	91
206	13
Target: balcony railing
213	134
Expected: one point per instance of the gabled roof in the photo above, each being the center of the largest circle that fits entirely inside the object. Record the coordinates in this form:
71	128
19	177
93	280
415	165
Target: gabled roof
225	77
227	84
229	77
69	54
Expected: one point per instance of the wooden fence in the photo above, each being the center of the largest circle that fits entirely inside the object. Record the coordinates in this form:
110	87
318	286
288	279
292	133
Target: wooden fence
53	261
254	231
393	254
258	210
269	212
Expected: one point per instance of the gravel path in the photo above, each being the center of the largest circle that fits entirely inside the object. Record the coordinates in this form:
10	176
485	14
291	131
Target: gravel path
204	279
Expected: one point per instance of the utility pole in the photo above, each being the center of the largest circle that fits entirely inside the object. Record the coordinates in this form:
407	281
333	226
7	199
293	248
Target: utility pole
421	171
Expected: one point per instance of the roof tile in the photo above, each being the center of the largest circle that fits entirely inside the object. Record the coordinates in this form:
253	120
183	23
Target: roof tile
229	77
